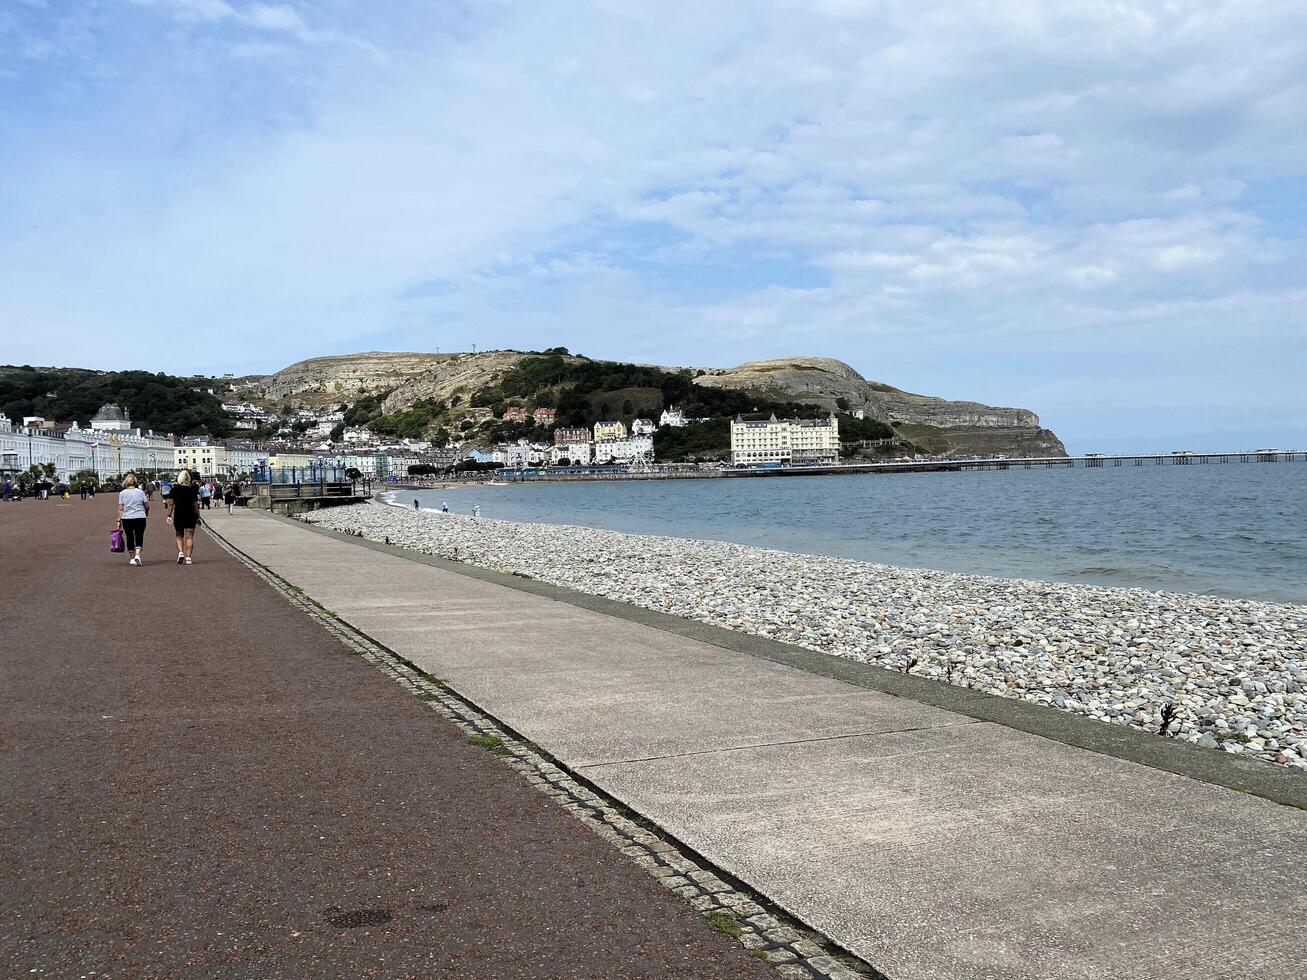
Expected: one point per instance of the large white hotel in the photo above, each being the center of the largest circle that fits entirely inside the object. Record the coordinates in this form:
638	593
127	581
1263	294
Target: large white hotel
796	442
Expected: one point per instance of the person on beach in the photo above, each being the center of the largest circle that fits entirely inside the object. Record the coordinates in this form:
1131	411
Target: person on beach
444	507
184	515
476	510
133	509
415	505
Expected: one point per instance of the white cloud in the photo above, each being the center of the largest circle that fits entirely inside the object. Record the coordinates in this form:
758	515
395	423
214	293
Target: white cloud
942	174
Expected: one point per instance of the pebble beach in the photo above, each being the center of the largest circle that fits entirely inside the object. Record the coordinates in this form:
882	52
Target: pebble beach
1233	671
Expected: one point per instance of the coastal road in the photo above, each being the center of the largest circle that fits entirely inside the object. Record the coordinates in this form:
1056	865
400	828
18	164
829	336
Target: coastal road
199	781
930	843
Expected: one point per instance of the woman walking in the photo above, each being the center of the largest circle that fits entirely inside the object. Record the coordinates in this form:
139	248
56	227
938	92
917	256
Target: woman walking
133	509
184	514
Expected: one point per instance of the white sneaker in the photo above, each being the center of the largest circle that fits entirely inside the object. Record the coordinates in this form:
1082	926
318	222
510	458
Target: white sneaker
180	558
136	560
188	561
131	561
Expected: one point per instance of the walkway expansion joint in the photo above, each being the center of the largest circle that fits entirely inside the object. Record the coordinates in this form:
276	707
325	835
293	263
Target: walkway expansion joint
767	931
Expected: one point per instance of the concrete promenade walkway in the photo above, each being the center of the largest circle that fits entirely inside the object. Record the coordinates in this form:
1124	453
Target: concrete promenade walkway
929	843
197	780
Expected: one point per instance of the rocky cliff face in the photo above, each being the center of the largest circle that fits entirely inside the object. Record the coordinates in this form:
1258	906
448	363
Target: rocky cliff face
949	426
327	380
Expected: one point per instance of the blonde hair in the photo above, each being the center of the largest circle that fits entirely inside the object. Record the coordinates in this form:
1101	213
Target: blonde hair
129	480
184	477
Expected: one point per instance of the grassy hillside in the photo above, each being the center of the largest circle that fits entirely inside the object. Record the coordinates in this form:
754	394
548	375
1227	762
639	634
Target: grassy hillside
154	401
583	392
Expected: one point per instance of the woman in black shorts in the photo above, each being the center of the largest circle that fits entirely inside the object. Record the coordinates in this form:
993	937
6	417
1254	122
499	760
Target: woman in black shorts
184	514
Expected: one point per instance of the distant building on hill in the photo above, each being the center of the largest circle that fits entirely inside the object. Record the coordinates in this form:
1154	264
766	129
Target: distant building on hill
792	441
673	417
643	427
514	413
610	430
545	416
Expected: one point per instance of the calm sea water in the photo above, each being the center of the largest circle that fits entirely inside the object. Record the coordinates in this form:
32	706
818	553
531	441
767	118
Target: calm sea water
1230	530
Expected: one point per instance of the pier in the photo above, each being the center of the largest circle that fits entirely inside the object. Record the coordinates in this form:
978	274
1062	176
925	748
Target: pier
937	465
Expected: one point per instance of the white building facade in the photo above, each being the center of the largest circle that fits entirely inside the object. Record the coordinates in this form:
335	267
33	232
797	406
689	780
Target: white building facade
626	450
798	442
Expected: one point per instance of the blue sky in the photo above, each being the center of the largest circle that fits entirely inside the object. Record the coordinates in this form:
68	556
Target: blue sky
1094	210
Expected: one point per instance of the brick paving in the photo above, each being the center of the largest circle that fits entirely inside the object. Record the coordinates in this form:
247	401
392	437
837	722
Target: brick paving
200	780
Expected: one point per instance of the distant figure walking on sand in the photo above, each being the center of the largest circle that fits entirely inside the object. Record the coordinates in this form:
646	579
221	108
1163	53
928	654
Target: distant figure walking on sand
184	514
415	505
444	507
476	510
133	509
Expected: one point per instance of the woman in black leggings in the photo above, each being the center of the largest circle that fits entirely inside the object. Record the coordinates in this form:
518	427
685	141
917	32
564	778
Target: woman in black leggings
133	509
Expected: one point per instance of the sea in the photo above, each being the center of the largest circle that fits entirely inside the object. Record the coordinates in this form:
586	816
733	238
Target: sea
1232	530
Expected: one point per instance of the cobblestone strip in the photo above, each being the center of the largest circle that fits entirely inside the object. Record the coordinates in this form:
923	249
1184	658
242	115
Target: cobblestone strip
730	908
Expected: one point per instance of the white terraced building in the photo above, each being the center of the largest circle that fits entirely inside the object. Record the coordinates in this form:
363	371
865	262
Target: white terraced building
624	450
789	441
576	454
109	452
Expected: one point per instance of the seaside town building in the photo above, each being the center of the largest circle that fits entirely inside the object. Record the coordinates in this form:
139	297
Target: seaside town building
643	427
565	436
790	441
71	449
545	416
610	430
514	413
625	450
673	417
575	454
111	418
221	458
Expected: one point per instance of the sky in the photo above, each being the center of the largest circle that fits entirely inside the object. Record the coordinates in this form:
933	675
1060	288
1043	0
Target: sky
1096	210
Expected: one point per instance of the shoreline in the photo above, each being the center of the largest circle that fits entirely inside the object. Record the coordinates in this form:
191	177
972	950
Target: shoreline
1235	670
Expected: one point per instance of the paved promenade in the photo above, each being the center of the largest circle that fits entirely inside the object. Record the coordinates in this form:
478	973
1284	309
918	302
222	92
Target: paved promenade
929	843
198	780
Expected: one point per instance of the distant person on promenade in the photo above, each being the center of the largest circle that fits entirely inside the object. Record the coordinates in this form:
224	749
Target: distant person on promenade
92	490
133	509
229	496
8	488
83	486
149	490
206	492
184	515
